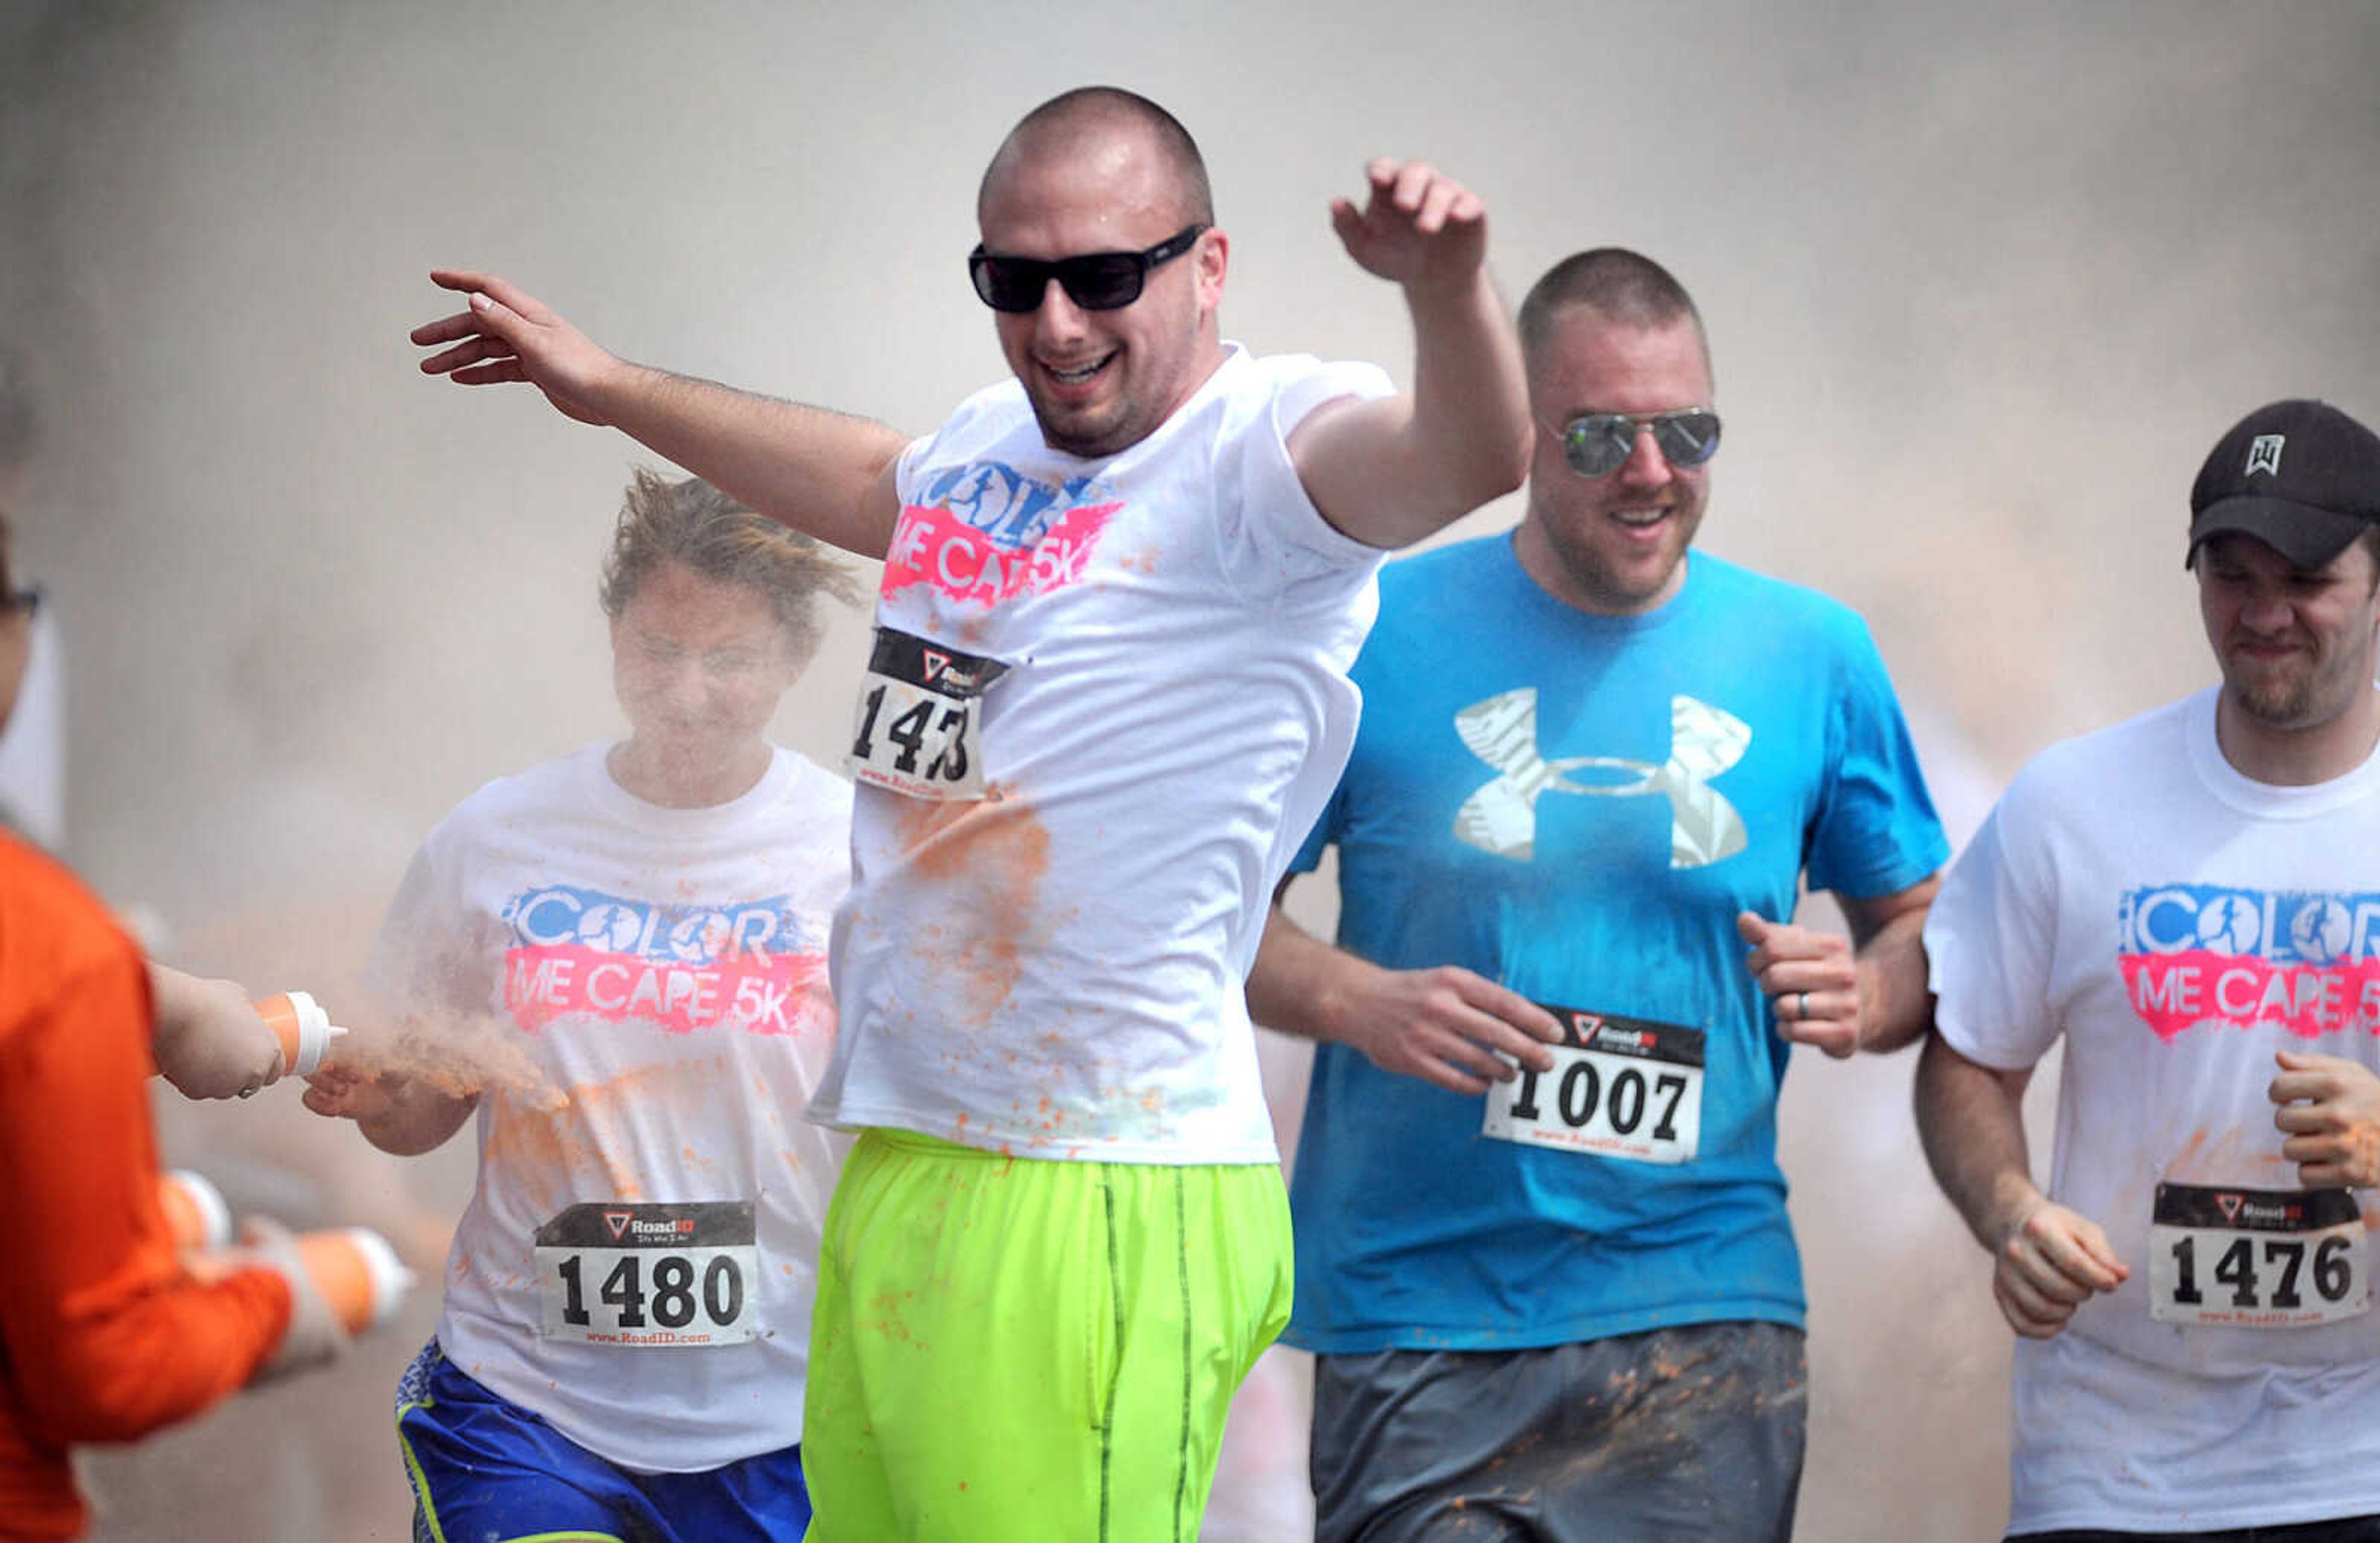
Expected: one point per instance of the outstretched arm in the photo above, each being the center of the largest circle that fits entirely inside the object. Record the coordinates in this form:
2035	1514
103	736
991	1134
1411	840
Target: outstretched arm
1390	471
106	1335
2046	1261
822	472
1445	1026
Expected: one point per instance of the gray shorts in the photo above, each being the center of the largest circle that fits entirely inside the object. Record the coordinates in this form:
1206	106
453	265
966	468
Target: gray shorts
1679	1433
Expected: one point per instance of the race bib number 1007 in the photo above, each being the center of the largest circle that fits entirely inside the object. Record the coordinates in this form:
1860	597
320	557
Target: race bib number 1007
649	1275
917	729
2256	1259
1620	1087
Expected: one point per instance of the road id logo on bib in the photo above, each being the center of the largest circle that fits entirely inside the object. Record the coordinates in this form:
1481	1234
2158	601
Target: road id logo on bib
1620	1087
645	1276
918	727
2256	1259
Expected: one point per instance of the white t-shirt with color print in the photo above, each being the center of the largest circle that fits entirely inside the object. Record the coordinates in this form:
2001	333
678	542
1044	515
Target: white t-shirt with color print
647	988
1055	968
2178	924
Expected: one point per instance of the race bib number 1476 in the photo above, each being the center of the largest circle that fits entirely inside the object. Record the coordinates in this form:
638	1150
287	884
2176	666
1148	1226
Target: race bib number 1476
2256	1259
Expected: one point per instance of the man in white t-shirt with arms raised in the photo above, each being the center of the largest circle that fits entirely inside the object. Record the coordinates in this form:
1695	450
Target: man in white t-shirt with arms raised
1107	695
2191	899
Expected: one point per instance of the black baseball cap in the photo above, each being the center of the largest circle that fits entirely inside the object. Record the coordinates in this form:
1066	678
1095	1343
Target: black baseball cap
2299	476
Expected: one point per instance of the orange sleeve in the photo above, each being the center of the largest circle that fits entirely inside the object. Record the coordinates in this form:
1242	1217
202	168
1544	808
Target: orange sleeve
106	1336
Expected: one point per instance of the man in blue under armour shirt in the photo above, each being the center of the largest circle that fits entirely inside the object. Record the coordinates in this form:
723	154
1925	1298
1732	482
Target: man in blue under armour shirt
1542	1250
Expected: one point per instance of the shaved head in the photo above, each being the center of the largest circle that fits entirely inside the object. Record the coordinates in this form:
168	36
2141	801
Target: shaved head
1619	286
1083	122
1101	170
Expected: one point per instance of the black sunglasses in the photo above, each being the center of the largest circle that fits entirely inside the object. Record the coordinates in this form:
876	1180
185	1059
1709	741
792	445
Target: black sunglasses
1599	444
1095	281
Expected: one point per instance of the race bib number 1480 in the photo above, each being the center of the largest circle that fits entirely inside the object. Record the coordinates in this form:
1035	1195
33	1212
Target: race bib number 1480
640	1276
1620	1087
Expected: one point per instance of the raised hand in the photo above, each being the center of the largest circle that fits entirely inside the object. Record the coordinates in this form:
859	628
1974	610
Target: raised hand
1418	227
506	335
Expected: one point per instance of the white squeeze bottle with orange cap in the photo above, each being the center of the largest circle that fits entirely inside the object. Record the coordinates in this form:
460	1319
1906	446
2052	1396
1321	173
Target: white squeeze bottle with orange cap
357	1272
305	1029
195	1211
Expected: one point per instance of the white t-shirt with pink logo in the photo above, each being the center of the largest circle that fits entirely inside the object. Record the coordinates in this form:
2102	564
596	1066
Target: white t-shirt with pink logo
644	991
1054	967
2179	923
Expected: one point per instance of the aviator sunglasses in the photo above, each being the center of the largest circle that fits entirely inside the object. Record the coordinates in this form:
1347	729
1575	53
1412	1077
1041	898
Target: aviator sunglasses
1599	444
1095	281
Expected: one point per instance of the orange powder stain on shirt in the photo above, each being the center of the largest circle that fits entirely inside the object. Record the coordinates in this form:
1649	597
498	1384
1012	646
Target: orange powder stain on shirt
2237	1156
580	1134
2207	1158
993	855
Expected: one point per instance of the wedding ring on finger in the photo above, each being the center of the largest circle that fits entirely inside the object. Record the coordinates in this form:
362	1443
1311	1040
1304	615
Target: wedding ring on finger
1802	1008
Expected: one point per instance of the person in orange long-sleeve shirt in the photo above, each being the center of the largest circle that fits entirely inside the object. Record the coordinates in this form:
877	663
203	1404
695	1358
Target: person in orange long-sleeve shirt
104	1334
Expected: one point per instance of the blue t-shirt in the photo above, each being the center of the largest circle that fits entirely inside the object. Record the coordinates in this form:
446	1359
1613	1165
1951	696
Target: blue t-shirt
1578	806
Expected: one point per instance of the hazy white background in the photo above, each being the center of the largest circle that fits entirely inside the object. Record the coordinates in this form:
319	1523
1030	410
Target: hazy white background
1984	284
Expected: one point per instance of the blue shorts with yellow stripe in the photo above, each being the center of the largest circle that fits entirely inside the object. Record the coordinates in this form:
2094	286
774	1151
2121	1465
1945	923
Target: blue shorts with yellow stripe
485	1470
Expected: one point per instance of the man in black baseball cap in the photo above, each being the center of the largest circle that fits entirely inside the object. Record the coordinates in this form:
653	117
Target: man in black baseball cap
2191	900
2299	476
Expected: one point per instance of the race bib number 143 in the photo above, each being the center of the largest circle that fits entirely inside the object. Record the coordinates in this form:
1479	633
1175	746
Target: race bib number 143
1620	1087
917	729
2256	1259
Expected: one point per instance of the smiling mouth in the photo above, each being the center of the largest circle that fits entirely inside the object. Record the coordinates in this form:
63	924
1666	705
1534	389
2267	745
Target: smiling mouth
1640	520
1077	374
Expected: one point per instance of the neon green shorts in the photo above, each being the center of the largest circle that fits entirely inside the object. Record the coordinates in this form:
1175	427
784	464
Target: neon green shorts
1012	1349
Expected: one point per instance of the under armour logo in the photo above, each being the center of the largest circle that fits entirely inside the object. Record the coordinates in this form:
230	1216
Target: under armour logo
2265	454
1502	816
